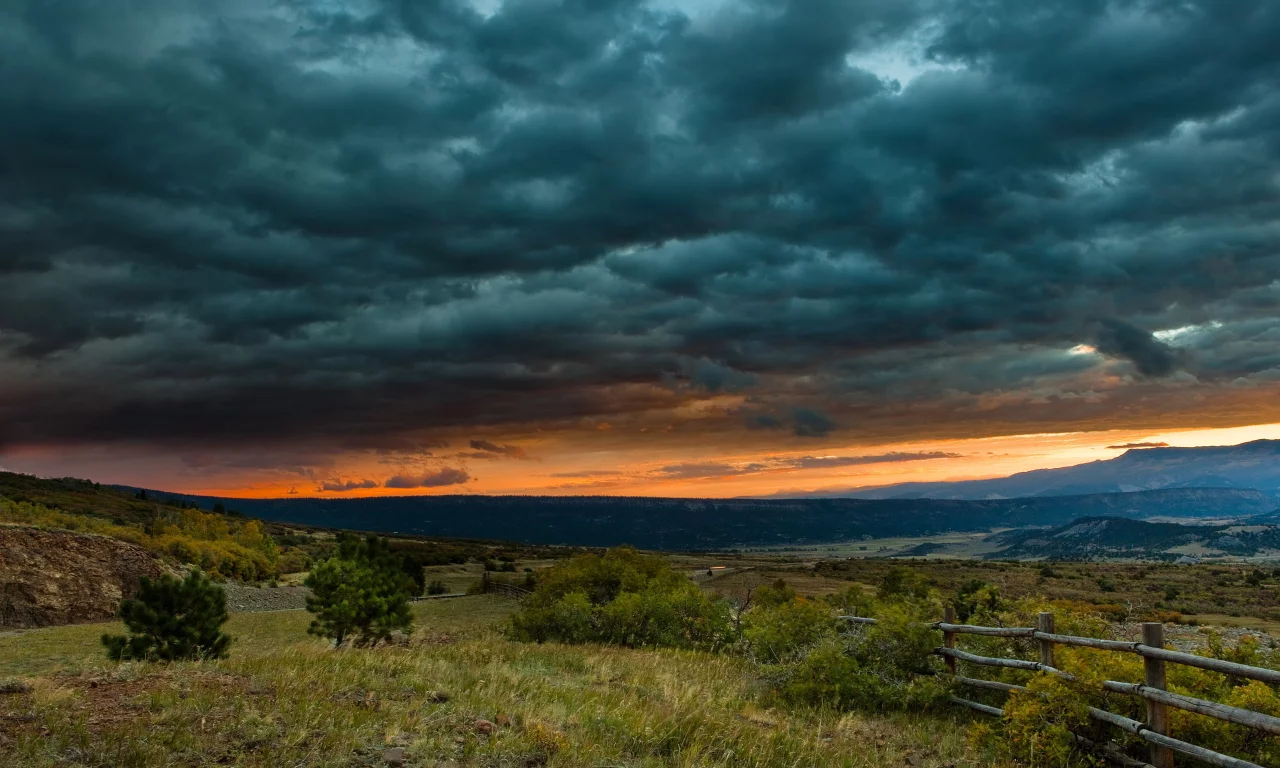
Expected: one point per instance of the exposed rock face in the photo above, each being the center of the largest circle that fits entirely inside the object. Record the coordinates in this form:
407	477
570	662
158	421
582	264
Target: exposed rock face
59	577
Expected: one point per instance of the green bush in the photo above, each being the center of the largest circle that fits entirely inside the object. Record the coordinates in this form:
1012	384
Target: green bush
882	667
976	598
901	583
361	591
774	595
624	598
437	587
171	620
852	601
774	634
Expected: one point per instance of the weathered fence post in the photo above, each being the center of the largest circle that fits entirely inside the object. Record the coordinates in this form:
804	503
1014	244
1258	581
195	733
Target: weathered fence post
949	638
1045	624
1157	713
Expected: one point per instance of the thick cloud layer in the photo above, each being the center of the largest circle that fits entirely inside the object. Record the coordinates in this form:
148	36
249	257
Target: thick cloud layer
367	223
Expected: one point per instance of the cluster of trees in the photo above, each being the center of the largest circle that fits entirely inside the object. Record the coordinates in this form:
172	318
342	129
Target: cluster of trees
223	547
359	595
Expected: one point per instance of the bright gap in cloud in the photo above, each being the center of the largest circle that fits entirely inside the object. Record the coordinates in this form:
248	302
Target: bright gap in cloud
1173	333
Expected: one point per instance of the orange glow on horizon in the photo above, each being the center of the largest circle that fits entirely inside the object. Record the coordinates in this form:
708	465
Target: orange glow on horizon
636	472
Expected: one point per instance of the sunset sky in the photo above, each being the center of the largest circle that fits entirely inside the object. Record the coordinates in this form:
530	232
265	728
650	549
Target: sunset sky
674	247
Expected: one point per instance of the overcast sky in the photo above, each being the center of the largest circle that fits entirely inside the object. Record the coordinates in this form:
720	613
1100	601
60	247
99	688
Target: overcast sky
608	245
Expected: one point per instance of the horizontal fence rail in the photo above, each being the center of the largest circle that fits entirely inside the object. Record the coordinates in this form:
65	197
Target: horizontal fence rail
1154	730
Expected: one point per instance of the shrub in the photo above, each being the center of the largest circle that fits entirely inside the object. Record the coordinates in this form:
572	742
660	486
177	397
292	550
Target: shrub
902	583
774	634
976	598
852	601
775	594
881	667
362	591
171	620
437	587
624	598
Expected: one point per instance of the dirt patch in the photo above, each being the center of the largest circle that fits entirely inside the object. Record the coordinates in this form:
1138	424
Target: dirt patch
58	577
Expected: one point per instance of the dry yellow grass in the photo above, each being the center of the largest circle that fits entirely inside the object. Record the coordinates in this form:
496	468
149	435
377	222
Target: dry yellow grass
283	698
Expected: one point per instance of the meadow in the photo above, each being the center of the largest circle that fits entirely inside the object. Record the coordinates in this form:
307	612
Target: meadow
460	694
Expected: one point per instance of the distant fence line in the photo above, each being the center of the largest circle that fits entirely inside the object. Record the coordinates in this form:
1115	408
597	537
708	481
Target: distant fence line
1153	689
489	586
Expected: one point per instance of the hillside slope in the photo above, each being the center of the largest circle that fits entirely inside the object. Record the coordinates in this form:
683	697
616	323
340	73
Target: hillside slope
224	545
1115	537
59	577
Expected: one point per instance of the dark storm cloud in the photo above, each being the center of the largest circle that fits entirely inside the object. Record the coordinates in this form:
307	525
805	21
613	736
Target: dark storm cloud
811	423
360	223
1150	356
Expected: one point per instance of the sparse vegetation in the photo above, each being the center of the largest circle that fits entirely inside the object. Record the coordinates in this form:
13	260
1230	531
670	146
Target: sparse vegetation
172	620
285	699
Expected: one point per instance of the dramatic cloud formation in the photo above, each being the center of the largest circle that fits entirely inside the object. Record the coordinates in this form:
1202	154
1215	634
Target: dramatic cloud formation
436	479
368	226
339	486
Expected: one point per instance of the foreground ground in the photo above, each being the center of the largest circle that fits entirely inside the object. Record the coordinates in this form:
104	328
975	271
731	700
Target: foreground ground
283	699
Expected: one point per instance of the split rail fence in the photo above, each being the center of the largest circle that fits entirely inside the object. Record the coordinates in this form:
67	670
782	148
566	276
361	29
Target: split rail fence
492	586
1155	729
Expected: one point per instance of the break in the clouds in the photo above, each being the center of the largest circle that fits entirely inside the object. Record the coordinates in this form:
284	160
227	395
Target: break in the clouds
367	224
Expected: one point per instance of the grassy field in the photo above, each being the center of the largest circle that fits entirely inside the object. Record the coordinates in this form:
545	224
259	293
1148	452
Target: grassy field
1219	594
285	699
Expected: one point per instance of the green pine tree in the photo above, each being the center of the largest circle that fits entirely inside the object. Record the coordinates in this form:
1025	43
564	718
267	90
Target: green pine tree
172	619
362	592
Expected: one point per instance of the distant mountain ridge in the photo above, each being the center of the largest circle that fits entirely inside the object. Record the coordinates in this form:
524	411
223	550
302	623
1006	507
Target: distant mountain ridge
689	524
1254	465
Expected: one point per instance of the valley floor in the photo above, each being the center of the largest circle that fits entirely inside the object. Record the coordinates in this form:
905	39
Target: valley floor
459	695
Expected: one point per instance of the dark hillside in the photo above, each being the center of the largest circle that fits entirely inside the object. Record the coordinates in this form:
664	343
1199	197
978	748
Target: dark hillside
1114	537
684	524
84	497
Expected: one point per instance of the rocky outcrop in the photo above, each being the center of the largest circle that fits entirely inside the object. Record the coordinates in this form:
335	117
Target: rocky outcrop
58	577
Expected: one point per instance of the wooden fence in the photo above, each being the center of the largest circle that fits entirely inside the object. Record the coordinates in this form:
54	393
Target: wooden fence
1154	730
502	588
